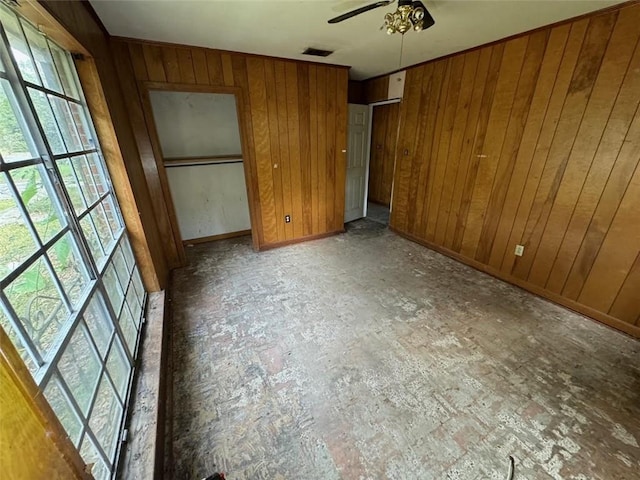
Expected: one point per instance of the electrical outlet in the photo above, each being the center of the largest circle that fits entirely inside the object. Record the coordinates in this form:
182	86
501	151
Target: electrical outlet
287	219
519	250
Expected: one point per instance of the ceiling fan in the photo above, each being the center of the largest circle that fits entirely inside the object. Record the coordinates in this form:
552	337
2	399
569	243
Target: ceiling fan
410	14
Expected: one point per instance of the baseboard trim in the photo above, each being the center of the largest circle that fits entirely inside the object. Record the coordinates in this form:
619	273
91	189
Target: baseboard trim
213	238
592	313
270	246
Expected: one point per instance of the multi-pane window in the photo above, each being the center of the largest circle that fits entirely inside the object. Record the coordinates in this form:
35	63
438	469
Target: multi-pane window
71	298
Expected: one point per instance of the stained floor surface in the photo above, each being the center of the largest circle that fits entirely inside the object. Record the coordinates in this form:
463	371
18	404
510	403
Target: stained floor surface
365	356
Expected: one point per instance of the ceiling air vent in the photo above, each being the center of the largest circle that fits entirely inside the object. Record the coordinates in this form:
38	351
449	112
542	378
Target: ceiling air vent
316	52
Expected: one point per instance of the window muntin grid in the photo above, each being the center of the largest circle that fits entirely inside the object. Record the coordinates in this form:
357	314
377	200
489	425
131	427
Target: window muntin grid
71	298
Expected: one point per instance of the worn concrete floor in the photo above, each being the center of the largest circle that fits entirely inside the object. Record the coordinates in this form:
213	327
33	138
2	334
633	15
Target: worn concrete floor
365	356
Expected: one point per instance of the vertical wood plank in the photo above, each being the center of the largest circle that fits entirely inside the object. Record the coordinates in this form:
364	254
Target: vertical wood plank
251	176
405	149
431	97
185	65
313	136
262	141
280	94
214	67
170	62
376	164
342	87
304	111
137	61
276	149
321	88
153	60
330	170
293	130
227	69
199	59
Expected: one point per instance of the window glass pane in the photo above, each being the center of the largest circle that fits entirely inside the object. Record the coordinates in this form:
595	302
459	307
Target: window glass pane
47	121
37	198
126	249
16	241
67	264
118	368
91	235
38	305
66	123
102	226
84	132
71	184
17	343
99	324
85	178
63	408
134	305
137	282
80	368
13	140
41	55
97	173
106	417
63	64
19	47
121	267
112	215
114	290
90	455
128	329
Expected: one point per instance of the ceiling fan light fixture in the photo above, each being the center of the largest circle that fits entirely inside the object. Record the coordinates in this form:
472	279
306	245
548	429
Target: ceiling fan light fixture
408	16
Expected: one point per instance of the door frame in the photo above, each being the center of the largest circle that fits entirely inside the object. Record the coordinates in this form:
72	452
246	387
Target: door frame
248	165
368	154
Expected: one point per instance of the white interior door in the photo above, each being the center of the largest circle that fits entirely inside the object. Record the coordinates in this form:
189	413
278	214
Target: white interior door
358	128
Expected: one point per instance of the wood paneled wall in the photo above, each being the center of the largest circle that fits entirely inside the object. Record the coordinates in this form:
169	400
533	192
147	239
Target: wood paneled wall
533	141
384	135
294	123
377	89
74	22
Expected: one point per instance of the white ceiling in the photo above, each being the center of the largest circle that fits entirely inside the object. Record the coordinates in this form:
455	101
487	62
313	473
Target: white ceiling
283	28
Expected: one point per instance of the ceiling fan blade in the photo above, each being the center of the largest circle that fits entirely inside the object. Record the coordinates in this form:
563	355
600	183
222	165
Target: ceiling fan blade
360	10
428	20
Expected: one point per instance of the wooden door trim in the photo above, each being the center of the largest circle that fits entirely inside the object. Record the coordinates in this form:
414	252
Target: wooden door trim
250	184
